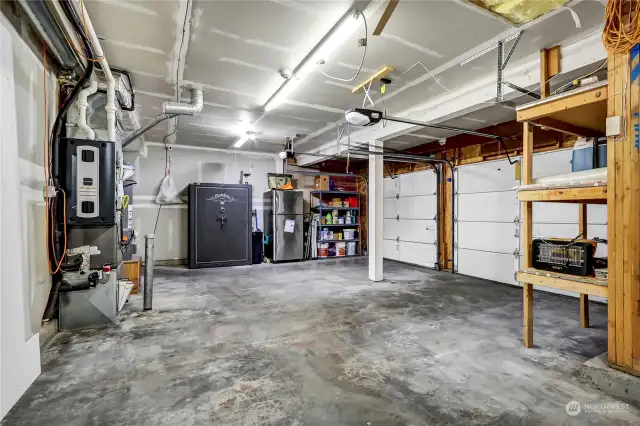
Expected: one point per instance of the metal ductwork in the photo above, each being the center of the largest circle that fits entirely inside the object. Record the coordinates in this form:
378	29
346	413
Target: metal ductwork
171	109
197	102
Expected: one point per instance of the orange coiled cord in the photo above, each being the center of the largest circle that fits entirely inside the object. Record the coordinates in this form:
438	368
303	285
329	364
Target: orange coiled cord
619	36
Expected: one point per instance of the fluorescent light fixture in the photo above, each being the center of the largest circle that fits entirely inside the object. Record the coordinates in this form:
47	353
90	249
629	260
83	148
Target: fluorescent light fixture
241	141
340	32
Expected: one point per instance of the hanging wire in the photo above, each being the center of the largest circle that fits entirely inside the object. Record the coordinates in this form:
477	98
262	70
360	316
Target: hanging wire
364	53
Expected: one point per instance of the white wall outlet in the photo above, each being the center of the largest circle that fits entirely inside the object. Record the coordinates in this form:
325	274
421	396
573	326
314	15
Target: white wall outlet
614	125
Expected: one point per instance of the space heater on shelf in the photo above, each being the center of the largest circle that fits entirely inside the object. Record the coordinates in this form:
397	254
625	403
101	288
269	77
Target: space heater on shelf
565	256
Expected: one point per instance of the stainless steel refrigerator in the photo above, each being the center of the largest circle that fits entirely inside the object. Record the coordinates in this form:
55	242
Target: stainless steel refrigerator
283	224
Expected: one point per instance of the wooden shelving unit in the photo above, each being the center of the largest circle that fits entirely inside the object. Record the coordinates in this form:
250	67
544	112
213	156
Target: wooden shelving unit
581	112
585	194
583	285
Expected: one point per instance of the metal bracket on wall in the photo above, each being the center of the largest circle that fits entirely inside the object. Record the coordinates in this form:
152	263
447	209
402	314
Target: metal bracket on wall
501	65
516	253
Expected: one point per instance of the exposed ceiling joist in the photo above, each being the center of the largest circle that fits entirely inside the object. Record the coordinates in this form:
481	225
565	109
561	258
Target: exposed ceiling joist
386	15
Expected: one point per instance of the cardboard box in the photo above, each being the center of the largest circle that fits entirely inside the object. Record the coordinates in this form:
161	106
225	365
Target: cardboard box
321	183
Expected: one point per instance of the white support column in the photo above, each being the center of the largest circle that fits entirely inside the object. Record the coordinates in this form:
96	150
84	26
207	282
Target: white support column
374	210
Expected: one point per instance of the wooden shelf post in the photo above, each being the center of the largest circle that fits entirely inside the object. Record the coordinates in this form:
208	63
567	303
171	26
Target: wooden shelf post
527	232
584	298
623	190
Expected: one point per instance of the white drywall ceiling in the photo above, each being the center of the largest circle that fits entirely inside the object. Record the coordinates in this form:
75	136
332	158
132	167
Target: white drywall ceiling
235	49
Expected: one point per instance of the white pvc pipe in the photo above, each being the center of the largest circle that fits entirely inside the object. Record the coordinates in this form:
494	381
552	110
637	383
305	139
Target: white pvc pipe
83	105
111	84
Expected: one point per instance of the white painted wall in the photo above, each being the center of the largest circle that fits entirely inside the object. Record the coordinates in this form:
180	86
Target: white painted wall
188	164
24	279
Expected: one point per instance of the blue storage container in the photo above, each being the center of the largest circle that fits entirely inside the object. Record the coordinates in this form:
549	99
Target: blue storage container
582	157
601	153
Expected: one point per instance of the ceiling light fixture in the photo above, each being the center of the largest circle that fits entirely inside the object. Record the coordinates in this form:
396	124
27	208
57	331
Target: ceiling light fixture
241	141
244	138
341	31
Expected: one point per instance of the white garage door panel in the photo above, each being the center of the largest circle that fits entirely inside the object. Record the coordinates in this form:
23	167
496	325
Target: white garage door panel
597	214
599	231
412	197
488	236
418	207
551	163
390	249
555	213
486	177
417	230
567	213
389	208
490	266
418	183
389	187
390	229
487	207
417	254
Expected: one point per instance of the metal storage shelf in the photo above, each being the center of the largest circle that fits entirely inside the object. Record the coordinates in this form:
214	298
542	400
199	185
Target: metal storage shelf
337	257
334	208
335	193
321	209
578	284
584	195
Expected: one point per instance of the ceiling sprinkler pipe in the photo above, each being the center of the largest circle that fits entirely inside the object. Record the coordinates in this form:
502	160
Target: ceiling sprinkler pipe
197	102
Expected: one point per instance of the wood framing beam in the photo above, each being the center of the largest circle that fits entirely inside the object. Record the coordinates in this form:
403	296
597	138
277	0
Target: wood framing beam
585	194
623	162
584	310
584	298
567	283
568	128
555	105
383	72
549	66
527	232
527	302
386	15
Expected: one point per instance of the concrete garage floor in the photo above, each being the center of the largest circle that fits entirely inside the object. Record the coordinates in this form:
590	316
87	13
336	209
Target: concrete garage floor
316	343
